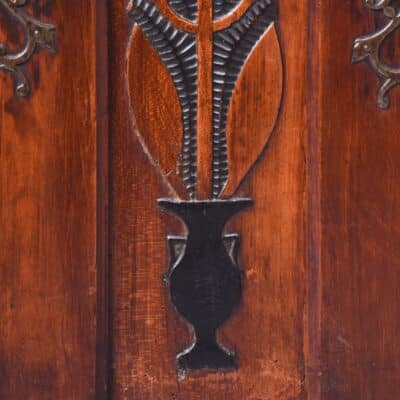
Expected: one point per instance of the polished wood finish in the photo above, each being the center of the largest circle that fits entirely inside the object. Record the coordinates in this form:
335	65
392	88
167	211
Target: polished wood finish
359	214
254	109
204	100
266	333
84	311
48	217
156	110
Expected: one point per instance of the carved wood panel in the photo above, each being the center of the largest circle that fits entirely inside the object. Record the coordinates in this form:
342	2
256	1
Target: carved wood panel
197	90
204	276
126	269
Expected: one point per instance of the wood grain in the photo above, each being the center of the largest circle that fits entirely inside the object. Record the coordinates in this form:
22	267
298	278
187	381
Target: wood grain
252	96
204	102
103	350
319	317
360	214
156	110
267	332
48	215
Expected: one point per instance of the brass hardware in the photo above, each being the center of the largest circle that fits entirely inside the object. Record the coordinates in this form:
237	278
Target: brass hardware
39	35
367	48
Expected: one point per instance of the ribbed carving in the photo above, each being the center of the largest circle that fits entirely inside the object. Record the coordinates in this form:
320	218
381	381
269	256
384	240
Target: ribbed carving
178	52
185	8
231	49
223	7
188	8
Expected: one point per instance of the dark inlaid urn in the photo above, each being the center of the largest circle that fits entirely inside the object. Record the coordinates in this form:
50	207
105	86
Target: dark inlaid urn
204	277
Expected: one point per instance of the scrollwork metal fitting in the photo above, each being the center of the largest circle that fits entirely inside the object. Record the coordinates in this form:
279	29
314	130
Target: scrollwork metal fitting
39	36
367	48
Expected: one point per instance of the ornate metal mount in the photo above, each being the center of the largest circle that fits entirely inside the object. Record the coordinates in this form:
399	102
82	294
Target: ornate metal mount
39	35
367	48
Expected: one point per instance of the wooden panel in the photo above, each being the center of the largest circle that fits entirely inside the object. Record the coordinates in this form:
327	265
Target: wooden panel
258	92
48	215
360	213
319	316
267	331
156	109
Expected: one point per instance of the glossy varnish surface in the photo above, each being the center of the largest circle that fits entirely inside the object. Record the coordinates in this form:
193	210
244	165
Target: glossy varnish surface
48	213
360	213
319	318
146	332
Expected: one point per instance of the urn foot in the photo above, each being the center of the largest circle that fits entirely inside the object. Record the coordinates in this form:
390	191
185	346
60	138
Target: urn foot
206	355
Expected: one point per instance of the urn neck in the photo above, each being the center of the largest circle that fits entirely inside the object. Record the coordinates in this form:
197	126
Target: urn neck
205	220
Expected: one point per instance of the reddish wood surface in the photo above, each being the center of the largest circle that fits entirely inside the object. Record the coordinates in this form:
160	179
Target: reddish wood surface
320	315
267	331
156	110
204	99
360	214
103	350
48	214
254	109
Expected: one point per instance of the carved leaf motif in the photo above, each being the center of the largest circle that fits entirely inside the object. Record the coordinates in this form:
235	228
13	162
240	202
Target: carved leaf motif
188	8
177	50
223	7
185	8
156	109
258	93
232	47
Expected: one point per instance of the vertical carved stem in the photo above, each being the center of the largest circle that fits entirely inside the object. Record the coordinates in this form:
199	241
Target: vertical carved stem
204	113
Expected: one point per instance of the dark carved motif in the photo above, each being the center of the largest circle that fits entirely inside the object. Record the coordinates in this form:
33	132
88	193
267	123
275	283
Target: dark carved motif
204	276
223	7
39	36
185	8
177	50
188	8
231	48
367	48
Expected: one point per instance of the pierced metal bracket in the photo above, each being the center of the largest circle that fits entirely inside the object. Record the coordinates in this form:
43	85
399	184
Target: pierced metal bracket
39	36
367	48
